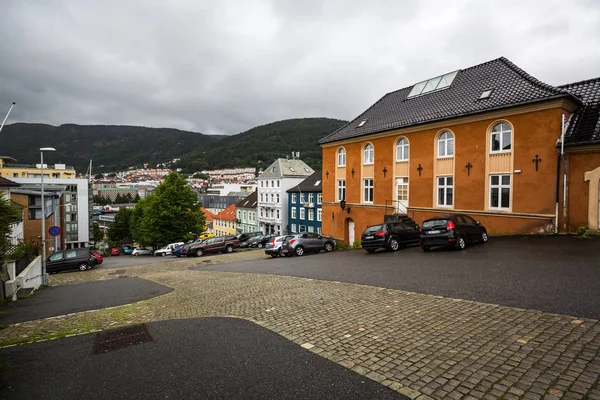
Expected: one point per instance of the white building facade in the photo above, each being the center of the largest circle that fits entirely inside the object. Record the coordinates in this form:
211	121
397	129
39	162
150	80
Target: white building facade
273	184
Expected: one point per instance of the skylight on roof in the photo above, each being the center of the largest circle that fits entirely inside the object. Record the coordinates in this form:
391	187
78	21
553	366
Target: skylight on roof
317	183
306	169
364	121
485	94
291	169
437	83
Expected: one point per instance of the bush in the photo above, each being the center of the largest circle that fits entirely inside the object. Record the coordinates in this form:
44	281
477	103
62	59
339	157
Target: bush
581	232
356	244
340	245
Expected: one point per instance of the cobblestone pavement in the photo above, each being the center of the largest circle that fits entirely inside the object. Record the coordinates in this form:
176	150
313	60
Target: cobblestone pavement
423	346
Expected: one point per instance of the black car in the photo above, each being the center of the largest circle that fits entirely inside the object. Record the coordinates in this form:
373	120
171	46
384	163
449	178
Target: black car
390	236
65	260
452	230
262	241
245	237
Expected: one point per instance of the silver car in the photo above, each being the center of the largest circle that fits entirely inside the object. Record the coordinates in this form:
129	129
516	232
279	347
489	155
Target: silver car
273	247
306	243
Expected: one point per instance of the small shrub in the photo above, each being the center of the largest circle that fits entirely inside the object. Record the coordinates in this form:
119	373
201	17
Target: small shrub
580	233
356	244
340	245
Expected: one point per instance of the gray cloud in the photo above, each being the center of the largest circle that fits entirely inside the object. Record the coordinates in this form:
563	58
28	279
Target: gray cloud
224	67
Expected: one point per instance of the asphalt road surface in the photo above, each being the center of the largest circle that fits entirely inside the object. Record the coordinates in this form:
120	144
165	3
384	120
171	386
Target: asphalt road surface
208	358
128	261
64	299
554	274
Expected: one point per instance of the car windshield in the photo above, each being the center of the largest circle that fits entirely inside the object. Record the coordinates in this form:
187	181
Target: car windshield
374	228
435	223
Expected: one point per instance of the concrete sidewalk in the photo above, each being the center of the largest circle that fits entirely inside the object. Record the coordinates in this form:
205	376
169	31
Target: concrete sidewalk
423	346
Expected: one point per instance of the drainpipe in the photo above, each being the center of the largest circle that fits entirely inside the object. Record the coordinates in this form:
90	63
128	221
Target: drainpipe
562	156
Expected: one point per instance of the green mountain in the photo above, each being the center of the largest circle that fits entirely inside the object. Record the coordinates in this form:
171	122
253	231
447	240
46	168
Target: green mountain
119	147
263	144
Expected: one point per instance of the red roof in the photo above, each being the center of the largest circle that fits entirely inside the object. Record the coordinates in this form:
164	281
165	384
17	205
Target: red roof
207	214
227	214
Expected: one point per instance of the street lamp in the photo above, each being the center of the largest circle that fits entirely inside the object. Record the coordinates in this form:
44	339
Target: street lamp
56	238
43	244
7	114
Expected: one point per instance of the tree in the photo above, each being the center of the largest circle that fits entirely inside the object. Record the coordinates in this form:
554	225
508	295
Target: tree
121	228
168	215
97	234
136	198
128	198
9	214
119	199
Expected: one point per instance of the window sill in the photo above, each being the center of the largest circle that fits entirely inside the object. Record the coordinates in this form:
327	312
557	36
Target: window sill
402	161
371	163
500	152
447	207
444	157
342	166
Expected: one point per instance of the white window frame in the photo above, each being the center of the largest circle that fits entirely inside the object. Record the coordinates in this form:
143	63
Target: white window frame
402	149
368	190
319	198
278	183
277	198
311	214
445	186
445	138
272	198
311	229
341	157
266	183
294	213
294	228
368	154
311	197
341	189
262	199
501	133
499	187
277	213
319	214
319	230
301	228
293	198
302	213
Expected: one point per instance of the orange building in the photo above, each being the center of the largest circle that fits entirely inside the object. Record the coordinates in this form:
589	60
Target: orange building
485	141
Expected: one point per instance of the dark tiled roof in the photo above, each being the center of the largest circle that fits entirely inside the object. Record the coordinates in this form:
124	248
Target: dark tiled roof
584	127
248	202
510	85
311	184
8	183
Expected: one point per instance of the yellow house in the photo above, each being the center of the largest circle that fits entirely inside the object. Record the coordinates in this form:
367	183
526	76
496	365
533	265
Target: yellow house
9	169
224	223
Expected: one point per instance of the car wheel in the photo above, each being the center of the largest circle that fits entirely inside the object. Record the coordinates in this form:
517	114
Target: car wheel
279	253
83	266
328	247
229	248
274	255
394	245
424	248
163	254
259	245
299	251
484	237
461	243
199	253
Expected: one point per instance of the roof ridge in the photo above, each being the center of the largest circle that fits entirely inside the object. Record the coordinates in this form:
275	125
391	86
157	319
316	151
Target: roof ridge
531	78
579	82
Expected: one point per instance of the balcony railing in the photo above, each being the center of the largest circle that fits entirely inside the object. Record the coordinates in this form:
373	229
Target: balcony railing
34	166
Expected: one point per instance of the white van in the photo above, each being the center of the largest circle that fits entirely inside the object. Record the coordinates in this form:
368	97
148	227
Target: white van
166	251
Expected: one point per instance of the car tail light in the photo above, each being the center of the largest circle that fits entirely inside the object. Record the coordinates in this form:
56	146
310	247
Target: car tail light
292	241
450	226
380	234
273	242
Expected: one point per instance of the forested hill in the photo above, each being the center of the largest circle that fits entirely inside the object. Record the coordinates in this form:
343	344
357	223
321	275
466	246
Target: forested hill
264	144
120	147
116	147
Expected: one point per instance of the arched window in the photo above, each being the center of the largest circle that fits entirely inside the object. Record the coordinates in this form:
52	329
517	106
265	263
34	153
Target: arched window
402	150
446	144
341	157
501	140
369	154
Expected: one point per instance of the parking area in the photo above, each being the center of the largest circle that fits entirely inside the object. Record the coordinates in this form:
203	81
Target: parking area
555	274
129	261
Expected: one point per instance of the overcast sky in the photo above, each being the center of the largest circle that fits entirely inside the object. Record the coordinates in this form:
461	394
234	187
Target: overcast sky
227	66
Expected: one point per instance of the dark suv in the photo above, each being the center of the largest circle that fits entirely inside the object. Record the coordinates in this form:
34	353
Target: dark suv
452	230
80	258
389	236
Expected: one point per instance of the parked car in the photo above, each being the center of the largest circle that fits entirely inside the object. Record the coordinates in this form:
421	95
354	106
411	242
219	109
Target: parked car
98	257
127	249
246	236
452	230
190	249
206	235
115	251
390	236
262	241
65	260
141	252
166	251
222	244
306	243
273	247
178	250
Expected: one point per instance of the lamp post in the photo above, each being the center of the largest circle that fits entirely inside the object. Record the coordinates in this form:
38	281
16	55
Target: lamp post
43	244
56	238
7	114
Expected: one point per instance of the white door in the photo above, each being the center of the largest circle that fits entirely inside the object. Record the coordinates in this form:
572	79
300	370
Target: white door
401	195
351	232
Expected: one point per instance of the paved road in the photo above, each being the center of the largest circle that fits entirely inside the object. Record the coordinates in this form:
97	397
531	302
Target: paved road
209	358
128	261
553	274
61	300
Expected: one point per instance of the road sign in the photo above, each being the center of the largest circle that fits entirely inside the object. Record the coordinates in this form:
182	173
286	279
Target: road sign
54	230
